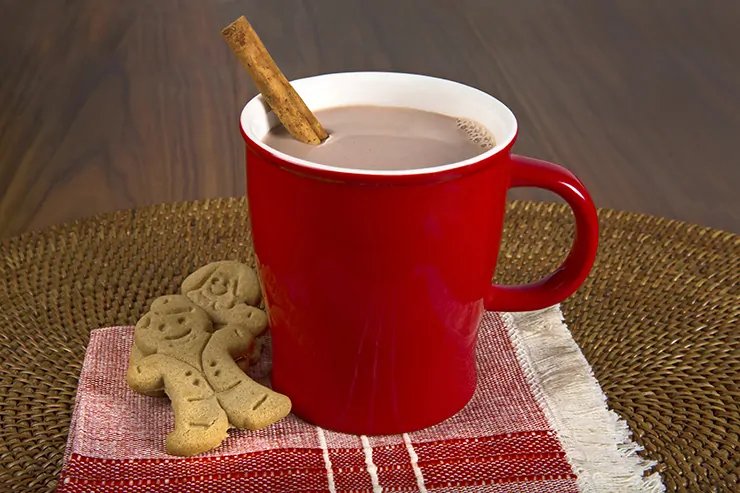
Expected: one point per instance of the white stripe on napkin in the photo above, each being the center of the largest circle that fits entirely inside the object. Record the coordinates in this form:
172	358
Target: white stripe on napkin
327	460
415	463
372	469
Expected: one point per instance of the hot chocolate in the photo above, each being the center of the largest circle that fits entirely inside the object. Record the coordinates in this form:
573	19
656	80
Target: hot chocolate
387	138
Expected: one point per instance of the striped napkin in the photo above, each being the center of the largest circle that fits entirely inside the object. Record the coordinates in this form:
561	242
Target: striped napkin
537	423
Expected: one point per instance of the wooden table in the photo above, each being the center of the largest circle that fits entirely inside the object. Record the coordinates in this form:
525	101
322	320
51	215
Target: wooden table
110	105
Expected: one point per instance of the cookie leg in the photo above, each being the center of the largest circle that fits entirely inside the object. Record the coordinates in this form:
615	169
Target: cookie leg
253	406
200	425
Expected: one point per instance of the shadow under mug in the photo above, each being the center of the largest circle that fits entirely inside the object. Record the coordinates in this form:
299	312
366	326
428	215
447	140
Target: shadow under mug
375	281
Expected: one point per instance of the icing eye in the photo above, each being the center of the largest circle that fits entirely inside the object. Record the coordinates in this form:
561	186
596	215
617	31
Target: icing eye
180	320
212	363
160	327
216	373
196	382
188	373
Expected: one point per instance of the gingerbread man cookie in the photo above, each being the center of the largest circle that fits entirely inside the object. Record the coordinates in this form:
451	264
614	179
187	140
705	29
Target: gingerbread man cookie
226	290
177	351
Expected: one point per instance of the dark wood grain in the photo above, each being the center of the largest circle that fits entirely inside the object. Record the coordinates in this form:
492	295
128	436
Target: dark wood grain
109	105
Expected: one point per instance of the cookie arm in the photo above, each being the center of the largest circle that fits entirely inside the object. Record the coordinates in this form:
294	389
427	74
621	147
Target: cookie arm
145	375
254	319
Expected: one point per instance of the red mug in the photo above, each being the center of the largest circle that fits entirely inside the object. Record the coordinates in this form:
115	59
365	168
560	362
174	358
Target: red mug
375	281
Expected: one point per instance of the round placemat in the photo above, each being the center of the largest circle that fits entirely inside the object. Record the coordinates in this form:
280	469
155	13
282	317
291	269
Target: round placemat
657	318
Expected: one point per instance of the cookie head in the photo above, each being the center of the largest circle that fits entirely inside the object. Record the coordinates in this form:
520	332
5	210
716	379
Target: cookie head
172	320
222	286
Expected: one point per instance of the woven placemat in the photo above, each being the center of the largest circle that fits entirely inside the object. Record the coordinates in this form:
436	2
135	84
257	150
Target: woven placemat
657	319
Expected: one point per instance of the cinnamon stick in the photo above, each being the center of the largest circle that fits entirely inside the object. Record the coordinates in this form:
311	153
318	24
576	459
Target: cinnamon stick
288	106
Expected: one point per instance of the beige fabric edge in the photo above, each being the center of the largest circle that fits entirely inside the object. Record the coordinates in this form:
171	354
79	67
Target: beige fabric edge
597	441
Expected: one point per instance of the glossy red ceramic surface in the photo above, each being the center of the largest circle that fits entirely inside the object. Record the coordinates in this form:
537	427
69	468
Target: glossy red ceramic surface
375	285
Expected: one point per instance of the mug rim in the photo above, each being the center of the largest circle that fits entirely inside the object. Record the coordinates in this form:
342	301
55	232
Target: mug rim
428	94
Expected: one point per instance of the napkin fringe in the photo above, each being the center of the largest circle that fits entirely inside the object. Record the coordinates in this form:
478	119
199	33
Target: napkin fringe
596	440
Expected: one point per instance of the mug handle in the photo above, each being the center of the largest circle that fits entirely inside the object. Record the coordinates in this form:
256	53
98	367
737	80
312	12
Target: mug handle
528	172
